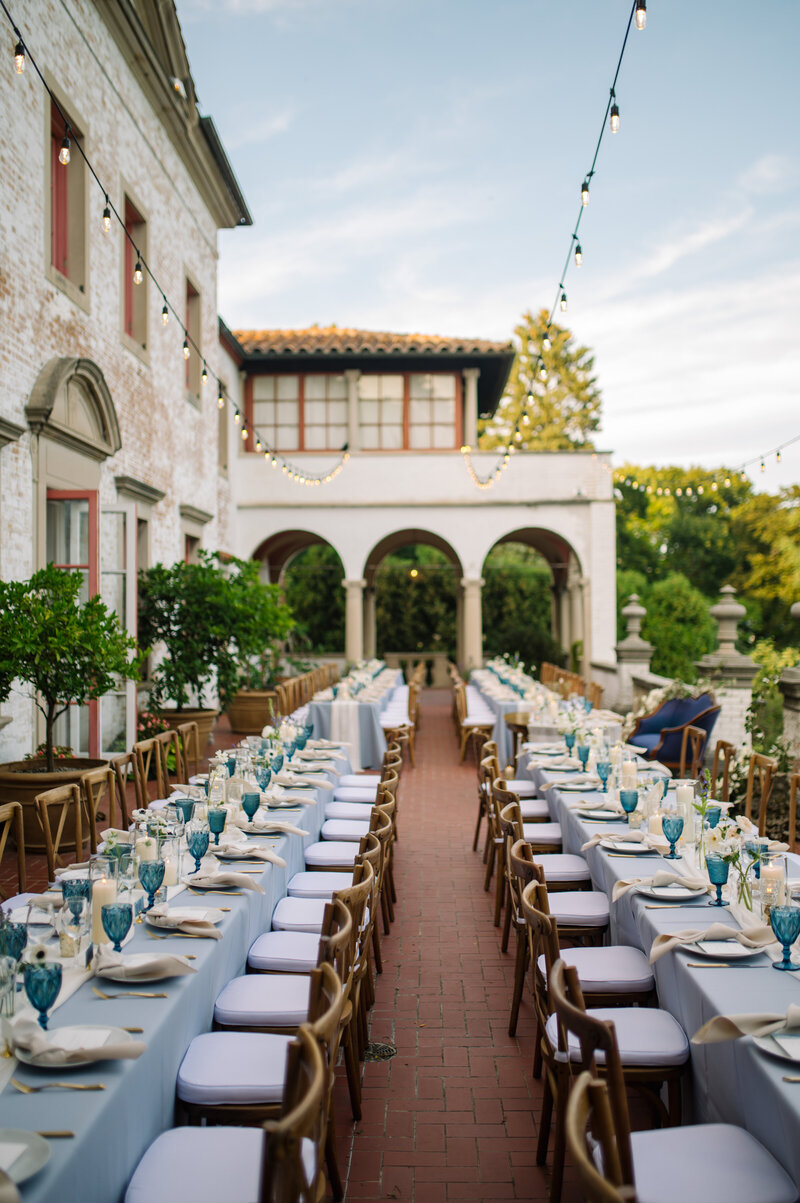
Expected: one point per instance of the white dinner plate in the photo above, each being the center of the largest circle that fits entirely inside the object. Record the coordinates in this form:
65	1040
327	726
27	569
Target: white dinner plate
56	1037
629	847
676	893
723	950
768	1044
37	918
35	1154
277	805
185	914
601	816
573	787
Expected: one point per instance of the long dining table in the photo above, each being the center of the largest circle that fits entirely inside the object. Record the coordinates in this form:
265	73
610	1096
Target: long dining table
733	1082
112	1128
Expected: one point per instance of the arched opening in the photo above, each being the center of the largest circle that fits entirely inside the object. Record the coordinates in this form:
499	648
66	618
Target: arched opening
412	603
532	602
311	573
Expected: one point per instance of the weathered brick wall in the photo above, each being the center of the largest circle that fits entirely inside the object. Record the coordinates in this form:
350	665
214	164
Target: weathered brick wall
166	441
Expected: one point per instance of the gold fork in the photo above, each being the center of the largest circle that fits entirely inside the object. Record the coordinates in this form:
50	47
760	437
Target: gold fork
128	994
25	1089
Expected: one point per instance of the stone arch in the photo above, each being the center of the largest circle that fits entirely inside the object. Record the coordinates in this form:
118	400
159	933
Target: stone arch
277	551
405	538
71	404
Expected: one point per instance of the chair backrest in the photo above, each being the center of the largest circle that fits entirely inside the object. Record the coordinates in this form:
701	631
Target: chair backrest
336	937
589	1126
693	744
151	761
171	746
284	1177
594	692
721	770
760	776
189	736
326	1000
11	821
65	823
99	788
125	769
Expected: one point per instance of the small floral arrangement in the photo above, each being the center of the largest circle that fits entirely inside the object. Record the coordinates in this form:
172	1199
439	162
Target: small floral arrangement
60	752
149	724
727	840
36	955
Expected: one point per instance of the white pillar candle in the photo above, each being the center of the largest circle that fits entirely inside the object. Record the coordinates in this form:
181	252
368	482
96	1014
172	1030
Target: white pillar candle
146	849
103	890
684	796
629	774
171	871
654	823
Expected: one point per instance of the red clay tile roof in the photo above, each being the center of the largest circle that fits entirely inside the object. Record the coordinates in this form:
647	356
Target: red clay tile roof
334	340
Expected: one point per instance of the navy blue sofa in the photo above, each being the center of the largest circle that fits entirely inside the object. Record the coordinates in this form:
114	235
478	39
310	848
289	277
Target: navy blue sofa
660	733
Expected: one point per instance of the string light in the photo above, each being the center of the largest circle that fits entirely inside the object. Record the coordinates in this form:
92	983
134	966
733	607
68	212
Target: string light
106	217
614	118
138	274
585	193
244	434
486	482
542	370
164	313
578	254
204	374
563	302
546	343
237	417
186	348
640	15
220	399
64	154
19	58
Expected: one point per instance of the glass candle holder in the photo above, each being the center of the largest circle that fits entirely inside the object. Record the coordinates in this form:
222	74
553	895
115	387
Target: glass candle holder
785	922
672	826
42	986
718	870
117	920
8	986
772	883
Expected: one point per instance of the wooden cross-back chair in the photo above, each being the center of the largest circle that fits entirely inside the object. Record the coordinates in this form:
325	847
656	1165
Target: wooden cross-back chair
99	788
126	772
11	822
485	778
284	1176
151	764
760	779
66	824
171	745
189	737
693	743
594	692
721	770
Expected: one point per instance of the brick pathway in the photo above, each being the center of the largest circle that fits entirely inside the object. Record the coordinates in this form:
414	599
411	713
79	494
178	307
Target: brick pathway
453	1115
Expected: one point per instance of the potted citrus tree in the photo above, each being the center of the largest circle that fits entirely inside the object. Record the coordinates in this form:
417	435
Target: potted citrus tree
64	652
263	621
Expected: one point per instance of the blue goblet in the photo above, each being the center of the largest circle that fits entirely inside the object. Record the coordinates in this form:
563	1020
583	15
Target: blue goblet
629	800
785	921
117	918
588	706
231	763
151	876
604	772
185	806
197	842
300	741
712	815
717	874
76	887
13	938
263	774
308	730
42	986
569	740
289	748
672	826
583	754
250	804
276	764
217	816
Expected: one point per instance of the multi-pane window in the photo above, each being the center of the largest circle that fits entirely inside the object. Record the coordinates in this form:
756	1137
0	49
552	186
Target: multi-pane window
134	296
431	411
381	412
67	202
276	411
324	413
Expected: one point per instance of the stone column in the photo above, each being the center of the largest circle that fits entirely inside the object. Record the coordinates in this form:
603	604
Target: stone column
731	673
370	630
354	620
789	686
460	626
633	653
470	430
576	623
353	432
473	623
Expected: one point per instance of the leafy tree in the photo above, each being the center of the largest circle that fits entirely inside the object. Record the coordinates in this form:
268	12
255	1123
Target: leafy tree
557	414
415	601
312	586
68	651
678	625
517	605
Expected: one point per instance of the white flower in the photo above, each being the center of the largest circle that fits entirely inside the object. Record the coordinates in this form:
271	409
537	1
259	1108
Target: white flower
37	955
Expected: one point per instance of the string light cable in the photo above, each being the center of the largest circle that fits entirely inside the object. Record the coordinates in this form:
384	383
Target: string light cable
142	270
714	481
538	367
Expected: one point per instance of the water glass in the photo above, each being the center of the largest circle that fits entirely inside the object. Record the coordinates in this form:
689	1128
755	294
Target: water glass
231	765
117	920
629	800
151	876
197	840
604	772
712	815
184	807
785	922
672	826
8	986
250	804
718	870
583	754
73	923
217	816
13	939
569	740
42	986
263	774
301	741
276	764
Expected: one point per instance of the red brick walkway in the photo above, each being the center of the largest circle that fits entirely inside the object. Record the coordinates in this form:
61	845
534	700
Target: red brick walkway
453	1115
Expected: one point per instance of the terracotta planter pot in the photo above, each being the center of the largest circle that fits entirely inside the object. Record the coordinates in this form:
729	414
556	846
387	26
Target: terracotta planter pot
205	720
248	710
19	783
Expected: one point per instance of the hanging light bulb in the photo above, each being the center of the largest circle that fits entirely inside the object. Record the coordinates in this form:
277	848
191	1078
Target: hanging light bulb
19	58
186	348
546	343
585	193
274	462
777	457
244	434
220	399
258	444
563	302
762	465
237	417
138	274
204	374
578	255
543	370
164	313
107	216
64	153
640	16
614	118
727	482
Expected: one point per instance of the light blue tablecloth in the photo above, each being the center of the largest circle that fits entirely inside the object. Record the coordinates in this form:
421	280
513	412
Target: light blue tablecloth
733	1082
113	1128
373	741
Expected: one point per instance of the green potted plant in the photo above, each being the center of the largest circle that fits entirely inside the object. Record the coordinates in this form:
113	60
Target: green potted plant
261	624
67	652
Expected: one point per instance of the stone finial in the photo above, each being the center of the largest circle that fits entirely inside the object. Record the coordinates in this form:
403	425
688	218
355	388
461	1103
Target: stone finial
633	649
726	662
728	613
634	614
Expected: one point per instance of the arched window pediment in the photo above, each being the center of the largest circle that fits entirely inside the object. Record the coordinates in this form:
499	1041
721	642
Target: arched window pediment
71	404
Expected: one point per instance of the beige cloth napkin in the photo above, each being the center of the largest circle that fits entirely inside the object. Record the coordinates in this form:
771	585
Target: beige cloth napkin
326	743
25	1036
731	1027
656	842
238	881
585	780
553	762
608	804
312	754
249	851
315	767
288	779
264	826
108	963
750	937
190	927
663	877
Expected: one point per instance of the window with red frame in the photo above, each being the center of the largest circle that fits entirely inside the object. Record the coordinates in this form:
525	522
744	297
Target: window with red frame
67	196
134	296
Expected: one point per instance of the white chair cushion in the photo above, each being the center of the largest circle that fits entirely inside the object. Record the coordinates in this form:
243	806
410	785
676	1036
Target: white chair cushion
360	780
329	852
473	720
233	1067
522	788
701	1162
351	793
299	915
318	885
534	808
645	1035
584	907
284	952
563	866
617	968
258	999
206	1165
349	810
344	829
542	833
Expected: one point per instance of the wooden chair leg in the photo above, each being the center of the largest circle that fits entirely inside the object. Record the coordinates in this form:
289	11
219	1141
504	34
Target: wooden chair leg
487	877
392	890
385	913
545	1119
537	1053
674	1102
353	1067
520	969
411	750
478	825
559	1145
506	925
376	947
331	1163
500	891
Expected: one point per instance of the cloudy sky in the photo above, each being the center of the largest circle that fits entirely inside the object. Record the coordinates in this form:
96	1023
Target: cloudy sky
415	165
